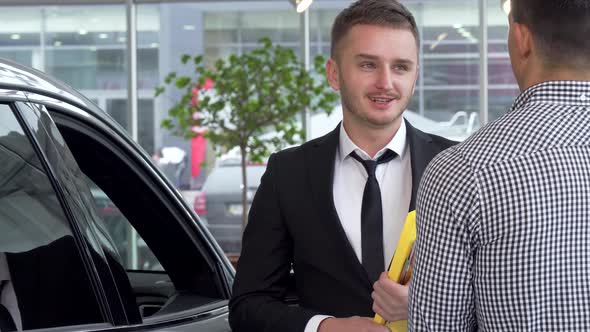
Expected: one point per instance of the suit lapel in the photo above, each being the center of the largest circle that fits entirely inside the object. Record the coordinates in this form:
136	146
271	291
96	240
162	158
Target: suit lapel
421	152
322	156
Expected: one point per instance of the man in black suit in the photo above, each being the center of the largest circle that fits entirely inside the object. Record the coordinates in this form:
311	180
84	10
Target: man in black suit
325	212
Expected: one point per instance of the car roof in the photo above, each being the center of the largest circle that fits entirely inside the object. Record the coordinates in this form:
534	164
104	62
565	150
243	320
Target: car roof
16	80
14	76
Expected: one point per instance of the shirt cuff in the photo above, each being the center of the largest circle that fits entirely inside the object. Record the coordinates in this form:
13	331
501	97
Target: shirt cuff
314	323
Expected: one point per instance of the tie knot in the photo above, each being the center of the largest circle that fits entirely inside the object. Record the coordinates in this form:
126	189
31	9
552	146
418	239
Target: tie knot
370	165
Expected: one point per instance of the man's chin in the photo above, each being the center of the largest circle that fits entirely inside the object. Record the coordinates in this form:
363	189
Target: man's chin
383	123
381	118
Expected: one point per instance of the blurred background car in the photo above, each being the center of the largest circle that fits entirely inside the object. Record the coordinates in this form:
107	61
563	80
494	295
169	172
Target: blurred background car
220	201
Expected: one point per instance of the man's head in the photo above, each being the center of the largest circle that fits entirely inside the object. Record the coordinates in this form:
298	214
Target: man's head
374	63
549	35
385	13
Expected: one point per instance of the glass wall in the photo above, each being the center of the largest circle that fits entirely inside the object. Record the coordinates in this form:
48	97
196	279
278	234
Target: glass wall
86	46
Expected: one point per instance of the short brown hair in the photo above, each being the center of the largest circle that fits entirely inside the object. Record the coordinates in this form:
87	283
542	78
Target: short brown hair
388	13
560	29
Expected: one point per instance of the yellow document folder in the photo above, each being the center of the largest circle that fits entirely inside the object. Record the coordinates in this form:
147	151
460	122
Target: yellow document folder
400	268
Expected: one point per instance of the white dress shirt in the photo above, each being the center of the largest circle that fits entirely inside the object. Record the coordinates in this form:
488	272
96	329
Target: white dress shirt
8	297
395	183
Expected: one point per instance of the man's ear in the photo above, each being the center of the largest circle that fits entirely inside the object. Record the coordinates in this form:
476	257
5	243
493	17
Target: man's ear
332	74
524	40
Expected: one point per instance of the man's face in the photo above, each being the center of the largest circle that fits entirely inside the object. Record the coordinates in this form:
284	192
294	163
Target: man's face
375	69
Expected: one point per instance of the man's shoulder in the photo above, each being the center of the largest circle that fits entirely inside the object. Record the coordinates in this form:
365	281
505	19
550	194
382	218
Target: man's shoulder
438	141
442	142
298	152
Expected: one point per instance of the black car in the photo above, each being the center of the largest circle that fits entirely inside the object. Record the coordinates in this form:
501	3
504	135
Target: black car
93	237
222	197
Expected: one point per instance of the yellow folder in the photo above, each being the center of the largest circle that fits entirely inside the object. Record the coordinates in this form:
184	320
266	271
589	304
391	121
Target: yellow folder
400	268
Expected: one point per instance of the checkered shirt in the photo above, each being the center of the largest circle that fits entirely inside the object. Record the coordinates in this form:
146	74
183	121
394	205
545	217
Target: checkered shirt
503	222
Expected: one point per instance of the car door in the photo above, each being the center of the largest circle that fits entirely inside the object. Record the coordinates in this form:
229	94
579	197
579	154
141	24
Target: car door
186	282
178	274
48	268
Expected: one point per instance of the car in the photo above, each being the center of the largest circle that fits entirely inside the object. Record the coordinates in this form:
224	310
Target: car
220	201
93	236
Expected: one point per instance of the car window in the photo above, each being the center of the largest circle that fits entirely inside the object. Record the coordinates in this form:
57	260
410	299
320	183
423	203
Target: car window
43	278
132	248
107	274
182	274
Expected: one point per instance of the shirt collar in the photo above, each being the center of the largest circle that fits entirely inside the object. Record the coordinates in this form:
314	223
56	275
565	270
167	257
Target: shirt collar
397	144
555	92
4	273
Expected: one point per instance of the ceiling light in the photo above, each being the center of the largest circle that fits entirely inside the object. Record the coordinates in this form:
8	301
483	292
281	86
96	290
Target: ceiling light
121	39
188	27
154	45
83	31
15	36
442	36
301	5
103	36
57	43
457	25
506	6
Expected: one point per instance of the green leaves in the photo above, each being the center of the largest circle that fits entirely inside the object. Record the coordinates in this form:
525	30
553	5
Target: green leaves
255	104
198	59
159	90
168	79
256	101
182	82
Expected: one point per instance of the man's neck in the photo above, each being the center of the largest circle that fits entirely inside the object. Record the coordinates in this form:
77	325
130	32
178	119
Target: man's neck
542	74
371	139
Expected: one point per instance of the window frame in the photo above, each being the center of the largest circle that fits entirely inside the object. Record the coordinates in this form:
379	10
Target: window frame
54	176
136	160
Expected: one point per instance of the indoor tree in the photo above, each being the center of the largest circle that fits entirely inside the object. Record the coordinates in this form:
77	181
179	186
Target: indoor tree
254	103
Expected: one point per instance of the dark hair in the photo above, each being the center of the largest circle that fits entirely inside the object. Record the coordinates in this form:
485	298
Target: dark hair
560	28
388	13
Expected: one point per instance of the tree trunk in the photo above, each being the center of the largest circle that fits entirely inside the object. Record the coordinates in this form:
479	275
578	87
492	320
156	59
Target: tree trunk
244	189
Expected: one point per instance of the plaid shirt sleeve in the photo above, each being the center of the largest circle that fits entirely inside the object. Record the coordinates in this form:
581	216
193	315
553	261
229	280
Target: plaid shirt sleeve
441	291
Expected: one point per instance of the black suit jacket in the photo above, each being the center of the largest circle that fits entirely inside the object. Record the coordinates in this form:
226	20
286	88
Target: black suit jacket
293	224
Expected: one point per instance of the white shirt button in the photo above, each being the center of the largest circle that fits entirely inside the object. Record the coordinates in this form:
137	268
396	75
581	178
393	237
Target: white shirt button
583	97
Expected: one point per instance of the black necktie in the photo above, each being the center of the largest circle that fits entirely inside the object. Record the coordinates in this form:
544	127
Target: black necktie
372	218
6	321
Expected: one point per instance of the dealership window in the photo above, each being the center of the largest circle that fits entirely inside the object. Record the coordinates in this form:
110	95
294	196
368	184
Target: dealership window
86	47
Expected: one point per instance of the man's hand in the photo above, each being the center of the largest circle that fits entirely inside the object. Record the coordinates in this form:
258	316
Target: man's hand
390	299
351	324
